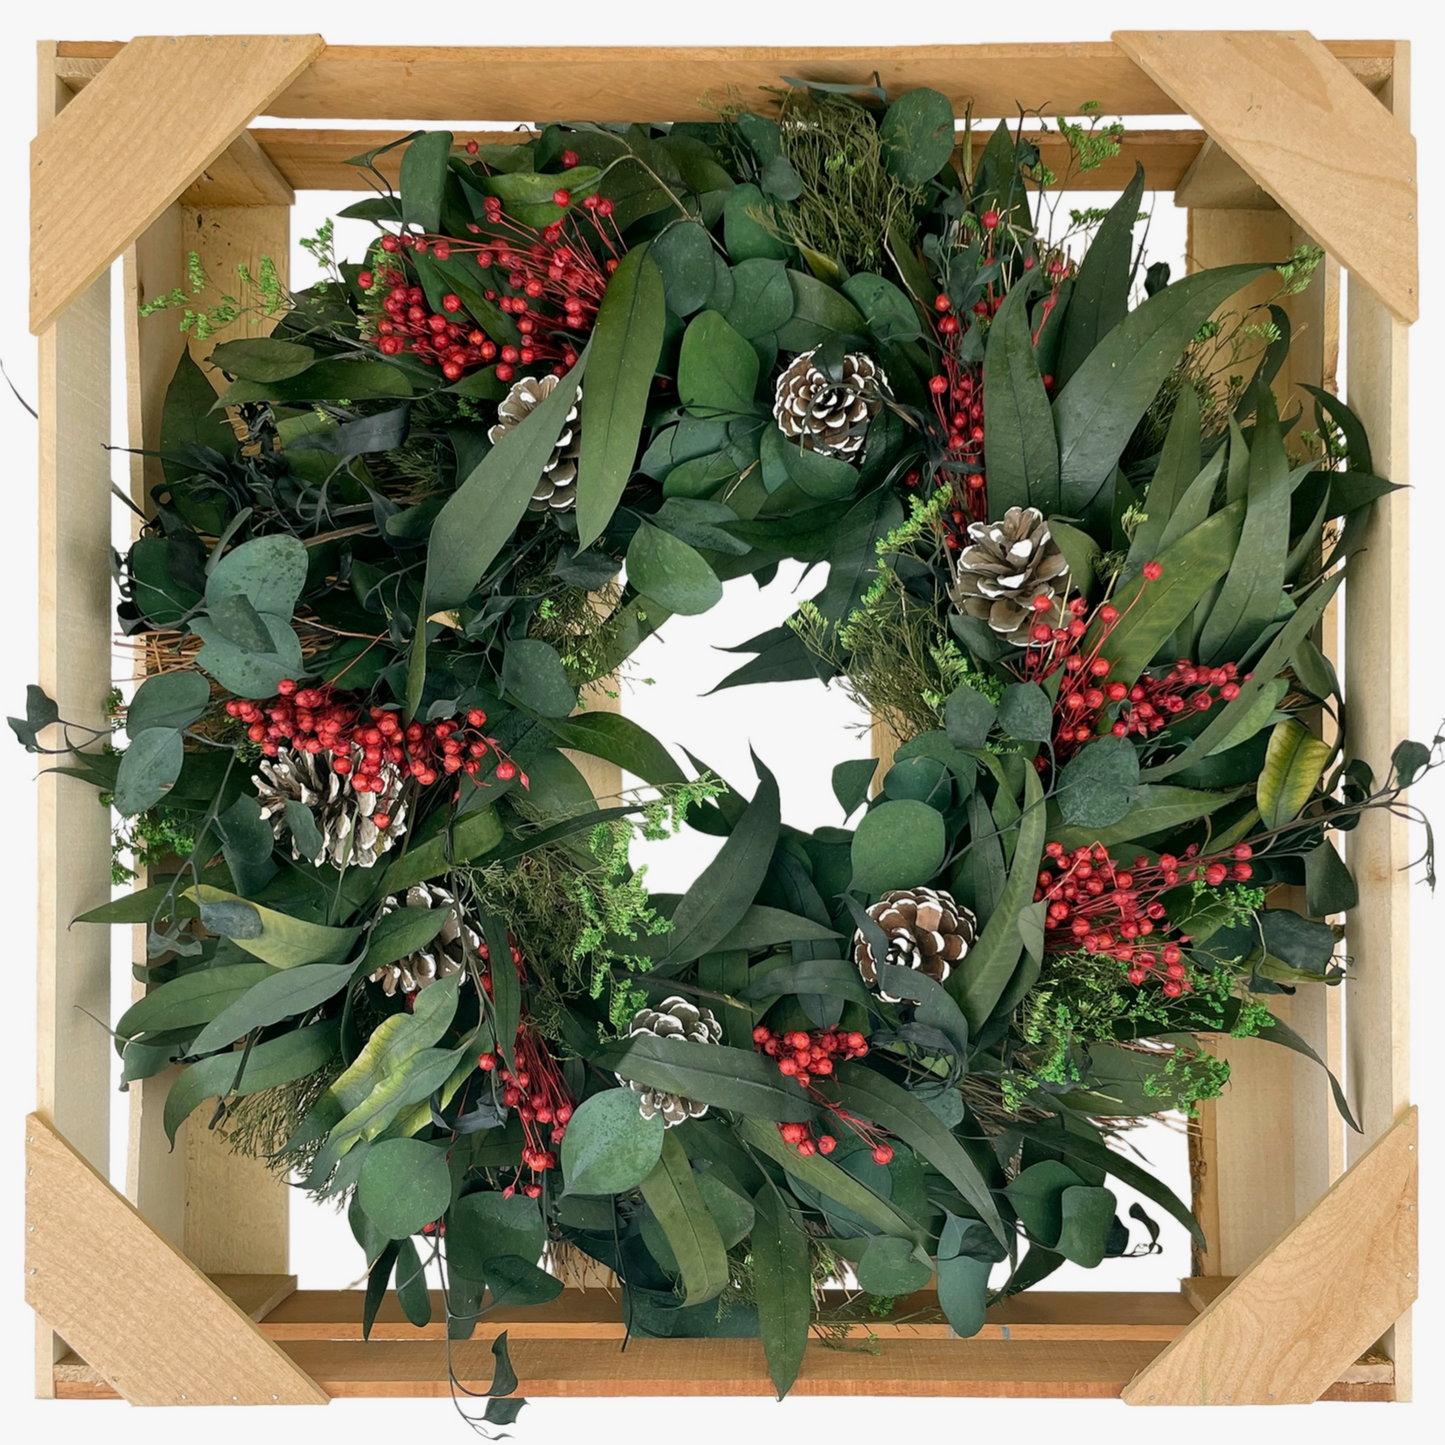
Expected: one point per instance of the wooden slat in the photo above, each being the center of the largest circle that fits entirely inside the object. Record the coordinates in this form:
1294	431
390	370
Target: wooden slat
131	1304
315	160
1308	1308
1377	600
597	1315
242	175
1215	181
1281	106
256	1294
158	115
661	83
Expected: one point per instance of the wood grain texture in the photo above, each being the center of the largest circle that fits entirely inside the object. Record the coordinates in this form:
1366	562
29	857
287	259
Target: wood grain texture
1377	600
1282	107
132	1306
316	160
661	83
1287	1327
256	1294
1215	181
158	115
242	175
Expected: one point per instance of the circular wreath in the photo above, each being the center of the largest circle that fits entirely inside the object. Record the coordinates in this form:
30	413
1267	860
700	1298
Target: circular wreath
1075	562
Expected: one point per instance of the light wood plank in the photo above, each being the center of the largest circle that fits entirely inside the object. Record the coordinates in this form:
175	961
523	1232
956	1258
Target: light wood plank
1215	181
316	160
242	175
1281	106
158	115
1309	1307
157	1330
256	1294
455	83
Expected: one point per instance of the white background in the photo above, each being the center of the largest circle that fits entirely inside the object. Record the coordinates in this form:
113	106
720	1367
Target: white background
799	730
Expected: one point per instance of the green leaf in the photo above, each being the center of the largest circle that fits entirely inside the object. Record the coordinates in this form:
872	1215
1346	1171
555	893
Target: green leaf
248	845
1152	808
783	1283
889	313
717	370
1249	599
278	996
532	672
824	478
481	515
168	700
423	179
672	1195
404	1184
148	769
851	780
935	1006
992	960
609	1147
1179	464
484	1225
617	739
249	674
818	313
684	257
745	233
898	844
326	381
968	717
1275	659
762	299
294	1055
867	1092
725	889
1025	712
262	358
411	1291
626	345
1100	298
667	570
834	977
1292	767
1191	566
711	1074
917	136
1097	411
1021	452
1329	887
190	1000
1088	1215
476	834
189	418
890	1267
277	938
269	572
826	1178
963	1293
1094	788
515	1283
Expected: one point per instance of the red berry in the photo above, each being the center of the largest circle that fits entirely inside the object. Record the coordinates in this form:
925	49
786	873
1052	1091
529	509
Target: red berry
472	147
506	771
990	220
569	159
561	197
883	1154
1153	571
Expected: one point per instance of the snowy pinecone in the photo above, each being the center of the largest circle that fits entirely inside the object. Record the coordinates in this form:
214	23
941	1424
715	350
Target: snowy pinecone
926	930
826	416
444	955
673	1018
557	486
1006	568
350	836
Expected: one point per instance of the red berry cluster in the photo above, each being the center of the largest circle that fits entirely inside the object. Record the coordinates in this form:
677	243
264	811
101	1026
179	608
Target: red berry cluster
1097	904
434	337
1153	701
802	1055
365	742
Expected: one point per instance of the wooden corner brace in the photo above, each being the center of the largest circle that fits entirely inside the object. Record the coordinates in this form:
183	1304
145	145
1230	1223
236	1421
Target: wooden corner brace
1315	1301
134	139
130	1304
1305	130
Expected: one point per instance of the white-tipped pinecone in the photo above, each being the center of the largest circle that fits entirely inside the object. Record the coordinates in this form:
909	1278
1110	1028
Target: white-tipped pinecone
1006	569
826	416
557	486
346	819
673	1018
926	931
444	955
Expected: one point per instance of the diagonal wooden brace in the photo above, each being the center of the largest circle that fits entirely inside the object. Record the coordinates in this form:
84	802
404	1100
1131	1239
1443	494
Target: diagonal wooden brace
1313	1302
1306	131
134	139
130	1304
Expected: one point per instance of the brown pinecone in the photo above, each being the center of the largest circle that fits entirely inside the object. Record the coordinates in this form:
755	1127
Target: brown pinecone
1006	568
343	817
926	930
830	417
557	486
444	955
673	1018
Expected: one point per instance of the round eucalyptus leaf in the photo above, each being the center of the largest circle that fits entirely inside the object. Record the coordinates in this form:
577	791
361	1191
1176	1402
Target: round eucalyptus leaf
404	1185
168	700
609	1146
482	1225
899	844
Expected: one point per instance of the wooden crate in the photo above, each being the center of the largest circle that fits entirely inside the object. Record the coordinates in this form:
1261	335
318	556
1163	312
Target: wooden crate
180	1294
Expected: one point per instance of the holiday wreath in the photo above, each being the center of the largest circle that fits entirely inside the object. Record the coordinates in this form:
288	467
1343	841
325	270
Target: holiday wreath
1076	563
